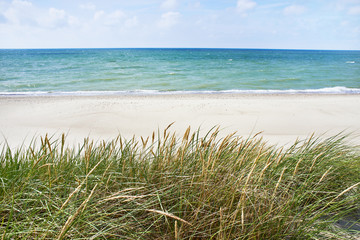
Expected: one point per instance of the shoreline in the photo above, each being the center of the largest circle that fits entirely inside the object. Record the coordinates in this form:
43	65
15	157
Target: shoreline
215	94
282	118
338	90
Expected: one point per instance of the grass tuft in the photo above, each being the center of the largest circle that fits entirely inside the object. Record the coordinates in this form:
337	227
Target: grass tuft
188	187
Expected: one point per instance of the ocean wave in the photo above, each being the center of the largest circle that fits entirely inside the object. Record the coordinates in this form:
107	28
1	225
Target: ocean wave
330	90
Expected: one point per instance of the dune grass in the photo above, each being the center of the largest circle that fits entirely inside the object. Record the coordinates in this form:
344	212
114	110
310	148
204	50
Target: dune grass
169	187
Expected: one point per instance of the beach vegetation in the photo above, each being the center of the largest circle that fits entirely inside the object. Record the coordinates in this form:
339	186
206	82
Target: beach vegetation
193	186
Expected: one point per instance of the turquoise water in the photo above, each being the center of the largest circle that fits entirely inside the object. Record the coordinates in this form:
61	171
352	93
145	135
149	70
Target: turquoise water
157	71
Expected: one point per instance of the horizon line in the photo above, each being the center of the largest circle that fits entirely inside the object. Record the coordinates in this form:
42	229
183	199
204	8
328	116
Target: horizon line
224	48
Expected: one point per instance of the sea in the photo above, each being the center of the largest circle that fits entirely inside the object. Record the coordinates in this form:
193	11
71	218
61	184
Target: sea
172	71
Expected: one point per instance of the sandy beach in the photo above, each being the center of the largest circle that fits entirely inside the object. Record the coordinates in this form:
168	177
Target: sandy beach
281	118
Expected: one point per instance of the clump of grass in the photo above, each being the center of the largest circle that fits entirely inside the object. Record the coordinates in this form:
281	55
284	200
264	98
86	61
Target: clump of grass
169	187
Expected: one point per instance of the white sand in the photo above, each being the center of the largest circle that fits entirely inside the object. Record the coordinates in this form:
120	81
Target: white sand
282	118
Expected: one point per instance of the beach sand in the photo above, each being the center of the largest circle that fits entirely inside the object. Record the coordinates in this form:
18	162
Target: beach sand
281	118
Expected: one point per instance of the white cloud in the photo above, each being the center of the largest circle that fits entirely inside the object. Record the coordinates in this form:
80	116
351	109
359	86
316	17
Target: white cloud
20	3
169	4
131	22
21	12
88	6
169	19
74	21
245	5
98	15
57	14
294	10
112	18
56	18
116	18
354	10
24	13
92	23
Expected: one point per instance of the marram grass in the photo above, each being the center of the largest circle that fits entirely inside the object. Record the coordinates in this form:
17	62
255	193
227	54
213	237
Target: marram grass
169	187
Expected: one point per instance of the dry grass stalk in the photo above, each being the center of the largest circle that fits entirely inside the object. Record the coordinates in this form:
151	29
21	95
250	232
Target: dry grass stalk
220	223
347	190
37	161
276	187
144	142
263	171
168	128
297	166
176	231
82	183
186	135
315	159
47	141
71	218
278	182
170	215
127	197
325	174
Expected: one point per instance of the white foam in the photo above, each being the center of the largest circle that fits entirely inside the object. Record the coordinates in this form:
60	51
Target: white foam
330	90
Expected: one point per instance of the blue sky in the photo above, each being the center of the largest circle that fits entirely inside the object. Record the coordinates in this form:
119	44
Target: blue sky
283	24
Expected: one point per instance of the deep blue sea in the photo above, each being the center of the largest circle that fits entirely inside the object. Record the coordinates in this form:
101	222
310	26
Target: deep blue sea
167	71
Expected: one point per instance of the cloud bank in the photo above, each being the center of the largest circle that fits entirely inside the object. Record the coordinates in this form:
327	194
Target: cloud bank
317	24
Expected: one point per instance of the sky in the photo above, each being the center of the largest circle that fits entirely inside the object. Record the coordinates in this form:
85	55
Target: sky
275	24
